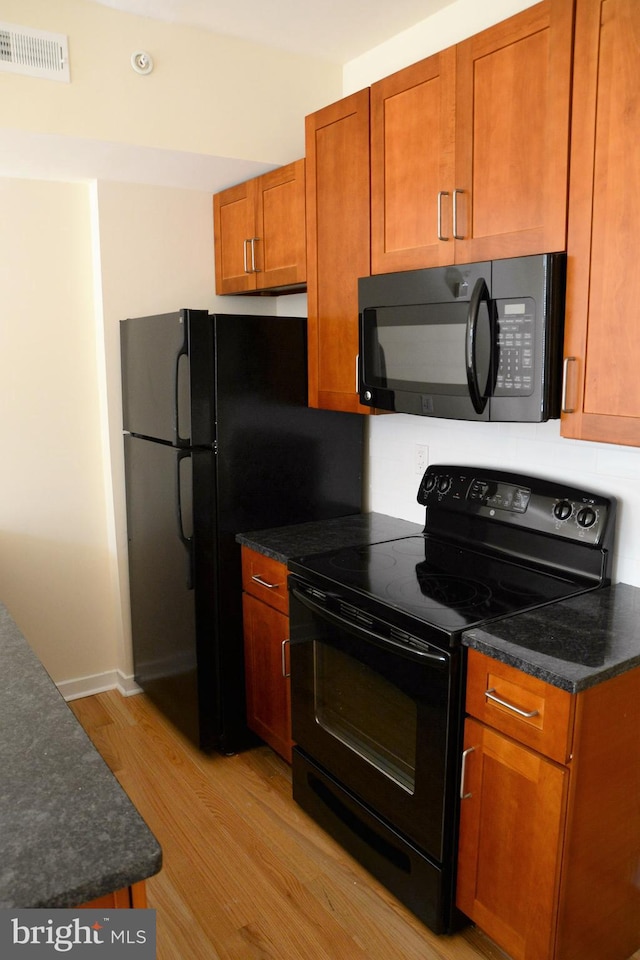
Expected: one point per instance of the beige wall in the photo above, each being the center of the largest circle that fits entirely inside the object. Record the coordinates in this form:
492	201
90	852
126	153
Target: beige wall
207	94
54	561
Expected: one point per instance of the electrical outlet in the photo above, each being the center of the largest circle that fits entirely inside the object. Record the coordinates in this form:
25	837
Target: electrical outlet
422	458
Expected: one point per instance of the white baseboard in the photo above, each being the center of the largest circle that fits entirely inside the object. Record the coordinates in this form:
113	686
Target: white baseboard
98	683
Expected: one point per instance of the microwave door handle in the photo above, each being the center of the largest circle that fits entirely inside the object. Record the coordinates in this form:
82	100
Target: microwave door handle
479	296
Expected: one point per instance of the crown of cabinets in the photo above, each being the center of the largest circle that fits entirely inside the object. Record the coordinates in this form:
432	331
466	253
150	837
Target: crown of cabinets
602	334
259	233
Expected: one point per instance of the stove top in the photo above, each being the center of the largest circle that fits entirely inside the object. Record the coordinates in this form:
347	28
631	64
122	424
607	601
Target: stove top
494	544
440	584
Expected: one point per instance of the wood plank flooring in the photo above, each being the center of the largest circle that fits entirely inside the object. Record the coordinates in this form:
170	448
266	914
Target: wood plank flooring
246	874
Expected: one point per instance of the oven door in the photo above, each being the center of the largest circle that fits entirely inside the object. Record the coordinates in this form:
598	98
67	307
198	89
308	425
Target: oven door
380	716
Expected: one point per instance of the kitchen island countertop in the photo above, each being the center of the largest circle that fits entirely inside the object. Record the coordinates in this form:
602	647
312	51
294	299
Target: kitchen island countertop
70	834
316	536
573	644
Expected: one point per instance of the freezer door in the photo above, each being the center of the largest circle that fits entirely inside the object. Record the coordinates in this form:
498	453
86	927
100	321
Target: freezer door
170	564
168	377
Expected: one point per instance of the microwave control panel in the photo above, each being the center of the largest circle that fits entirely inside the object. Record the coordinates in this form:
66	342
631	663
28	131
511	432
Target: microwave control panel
516	341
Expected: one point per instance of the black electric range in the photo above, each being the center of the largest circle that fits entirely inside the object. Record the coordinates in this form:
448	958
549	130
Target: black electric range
494	544
377	667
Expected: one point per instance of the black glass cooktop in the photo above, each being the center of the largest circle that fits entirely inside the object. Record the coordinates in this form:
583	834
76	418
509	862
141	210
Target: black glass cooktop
436	582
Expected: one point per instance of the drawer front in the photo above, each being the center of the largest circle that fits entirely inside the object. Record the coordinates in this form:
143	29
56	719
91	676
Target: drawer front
523	707
265	579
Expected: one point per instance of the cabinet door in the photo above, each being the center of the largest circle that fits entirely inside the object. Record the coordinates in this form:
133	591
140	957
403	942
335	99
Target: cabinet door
511	831
266	657
512	135
234	225
412	166
280	247
338	245
602	342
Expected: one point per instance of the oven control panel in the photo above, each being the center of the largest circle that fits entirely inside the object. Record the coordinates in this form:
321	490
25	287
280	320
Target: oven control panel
531	503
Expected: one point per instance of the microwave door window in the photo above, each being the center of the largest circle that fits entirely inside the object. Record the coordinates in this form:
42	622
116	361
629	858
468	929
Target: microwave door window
419	348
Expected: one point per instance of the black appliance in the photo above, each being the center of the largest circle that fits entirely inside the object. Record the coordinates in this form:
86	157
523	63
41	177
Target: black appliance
218	440
475	341
377	666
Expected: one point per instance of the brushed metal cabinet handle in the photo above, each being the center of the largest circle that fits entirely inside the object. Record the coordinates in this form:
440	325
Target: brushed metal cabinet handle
441	194
528	714
253	241
456	235
264	583
463	768
284	659
565	378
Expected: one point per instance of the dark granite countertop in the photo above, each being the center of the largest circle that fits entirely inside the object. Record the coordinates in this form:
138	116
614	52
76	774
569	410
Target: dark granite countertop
573	644
305	539
69	831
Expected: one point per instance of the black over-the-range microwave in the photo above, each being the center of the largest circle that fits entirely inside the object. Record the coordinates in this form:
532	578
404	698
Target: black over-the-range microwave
475	341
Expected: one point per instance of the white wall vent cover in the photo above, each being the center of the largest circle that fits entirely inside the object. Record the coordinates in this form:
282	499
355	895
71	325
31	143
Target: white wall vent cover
35	53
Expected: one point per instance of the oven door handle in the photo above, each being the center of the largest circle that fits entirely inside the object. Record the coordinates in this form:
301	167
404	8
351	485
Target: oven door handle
438	660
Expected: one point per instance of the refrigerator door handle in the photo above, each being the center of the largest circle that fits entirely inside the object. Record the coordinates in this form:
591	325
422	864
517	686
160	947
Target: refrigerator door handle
182	352
185	540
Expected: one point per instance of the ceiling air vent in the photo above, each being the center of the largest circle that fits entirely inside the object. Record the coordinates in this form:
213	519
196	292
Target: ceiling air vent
34	52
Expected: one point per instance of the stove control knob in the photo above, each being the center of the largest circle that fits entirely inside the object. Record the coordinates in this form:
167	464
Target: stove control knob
444	484
562	510
587	517
429	482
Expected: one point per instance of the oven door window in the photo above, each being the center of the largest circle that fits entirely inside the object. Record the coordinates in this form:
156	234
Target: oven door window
367	713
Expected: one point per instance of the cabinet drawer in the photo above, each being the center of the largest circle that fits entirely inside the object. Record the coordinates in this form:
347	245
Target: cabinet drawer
523	707
265	579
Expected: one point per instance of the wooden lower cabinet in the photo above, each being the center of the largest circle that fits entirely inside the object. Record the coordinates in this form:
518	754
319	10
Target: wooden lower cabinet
511	841
549	851
125	899
266	635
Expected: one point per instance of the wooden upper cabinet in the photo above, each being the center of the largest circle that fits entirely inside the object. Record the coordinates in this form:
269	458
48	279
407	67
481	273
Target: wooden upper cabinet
469	148
412	165
259	228
602	341
234	225
338	247
512	135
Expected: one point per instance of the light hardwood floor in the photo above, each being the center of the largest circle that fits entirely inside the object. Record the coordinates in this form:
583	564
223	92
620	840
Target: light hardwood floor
246	874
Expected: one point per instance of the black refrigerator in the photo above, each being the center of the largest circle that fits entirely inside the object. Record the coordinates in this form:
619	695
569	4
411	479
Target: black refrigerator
218	440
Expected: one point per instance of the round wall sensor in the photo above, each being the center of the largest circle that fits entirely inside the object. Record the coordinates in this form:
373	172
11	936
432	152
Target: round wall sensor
141	62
